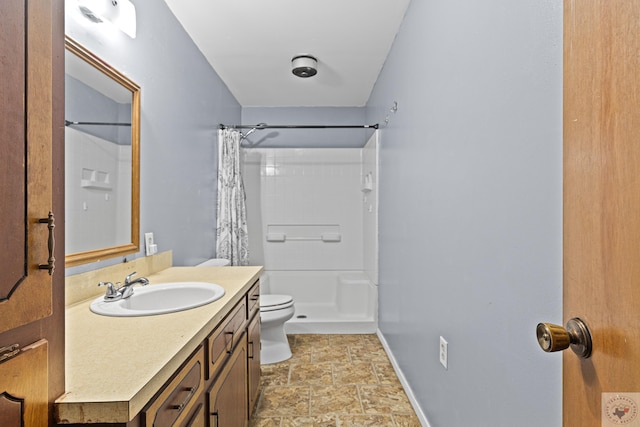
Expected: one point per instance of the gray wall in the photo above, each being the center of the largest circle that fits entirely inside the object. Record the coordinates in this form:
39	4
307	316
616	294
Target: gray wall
183	102
471	208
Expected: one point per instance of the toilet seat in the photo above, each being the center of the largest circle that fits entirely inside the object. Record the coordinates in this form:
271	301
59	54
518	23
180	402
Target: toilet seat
270	302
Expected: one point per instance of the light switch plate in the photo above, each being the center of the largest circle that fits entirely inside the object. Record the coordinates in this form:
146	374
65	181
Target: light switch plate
444	356
148	243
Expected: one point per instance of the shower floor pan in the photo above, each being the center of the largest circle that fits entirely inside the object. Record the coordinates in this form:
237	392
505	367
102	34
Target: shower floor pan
326	319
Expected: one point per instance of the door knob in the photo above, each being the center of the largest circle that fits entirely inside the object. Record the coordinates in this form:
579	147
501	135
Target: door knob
556	338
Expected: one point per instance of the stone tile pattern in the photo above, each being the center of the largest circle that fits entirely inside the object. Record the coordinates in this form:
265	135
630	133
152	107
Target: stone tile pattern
333	381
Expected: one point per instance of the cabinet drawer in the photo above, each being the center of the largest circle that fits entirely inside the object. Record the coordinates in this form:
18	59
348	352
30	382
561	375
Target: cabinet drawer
224	339
253	299
178	397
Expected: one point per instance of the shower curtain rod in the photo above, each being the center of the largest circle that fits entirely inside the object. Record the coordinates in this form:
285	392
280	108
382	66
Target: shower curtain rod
70	123
266	126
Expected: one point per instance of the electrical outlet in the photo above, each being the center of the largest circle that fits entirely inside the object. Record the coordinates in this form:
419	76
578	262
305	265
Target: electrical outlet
444	357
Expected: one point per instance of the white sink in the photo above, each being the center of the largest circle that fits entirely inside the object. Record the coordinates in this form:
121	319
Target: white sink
160	299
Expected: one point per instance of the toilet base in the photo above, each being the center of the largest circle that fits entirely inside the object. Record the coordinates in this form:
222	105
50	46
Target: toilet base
274	345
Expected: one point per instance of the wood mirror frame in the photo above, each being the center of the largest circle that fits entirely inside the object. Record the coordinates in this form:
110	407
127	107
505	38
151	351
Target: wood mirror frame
133	246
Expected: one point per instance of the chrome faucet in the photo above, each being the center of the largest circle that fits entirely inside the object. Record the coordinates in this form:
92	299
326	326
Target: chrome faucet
127	288
115	293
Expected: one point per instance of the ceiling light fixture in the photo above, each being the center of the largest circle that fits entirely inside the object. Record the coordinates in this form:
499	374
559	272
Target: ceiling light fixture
121	13
304	66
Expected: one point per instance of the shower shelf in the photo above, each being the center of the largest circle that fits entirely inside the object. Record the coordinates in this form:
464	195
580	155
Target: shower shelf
303	232
95	185
328	237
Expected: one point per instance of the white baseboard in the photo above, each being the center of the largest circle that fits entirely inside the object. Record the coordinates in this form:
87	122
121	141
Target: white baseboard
407	389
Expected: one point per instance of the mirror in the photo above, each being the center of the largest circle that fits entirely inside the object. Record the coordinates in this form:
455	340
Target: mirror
102	159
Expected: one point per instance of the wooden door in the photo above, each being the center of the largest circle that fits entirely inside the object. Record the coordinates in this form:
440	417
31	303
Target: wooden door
26	133
31	186
602	209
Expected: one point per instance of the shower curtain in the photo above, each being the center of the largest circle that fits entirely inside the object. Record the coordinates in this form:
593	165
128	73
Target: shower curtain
231	229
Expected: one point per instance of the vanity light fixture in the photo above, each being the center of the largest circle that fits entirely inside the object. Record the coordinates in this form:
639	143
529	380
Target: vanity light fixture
121	13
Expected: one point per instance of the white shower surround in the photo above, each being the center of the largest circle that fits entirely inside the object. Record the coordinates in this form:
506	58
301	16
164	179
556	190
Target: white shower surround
296	195
326	302
86	206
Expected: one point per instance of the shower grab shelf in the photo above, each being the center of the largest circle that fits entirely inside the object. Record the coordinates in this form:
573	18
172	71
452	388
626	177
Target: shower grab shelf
303	232
326	237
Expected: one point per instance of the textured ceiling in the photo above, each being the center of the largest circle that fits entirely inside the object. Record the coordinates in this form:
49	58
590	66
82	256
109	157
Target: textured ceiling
250	44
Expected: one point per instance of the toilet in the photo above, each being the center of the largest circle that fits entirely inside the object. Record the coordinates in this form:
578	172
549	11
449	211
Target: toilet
274	311
215	262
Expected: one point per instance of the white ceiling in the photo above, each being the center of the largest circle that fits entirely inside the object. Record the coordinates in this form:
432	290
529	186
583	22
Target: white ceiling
250	44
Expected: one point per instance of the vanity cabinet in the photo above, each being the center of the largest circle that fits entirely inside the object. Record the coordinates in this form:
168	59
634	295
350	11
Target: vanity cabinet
216	386
235	363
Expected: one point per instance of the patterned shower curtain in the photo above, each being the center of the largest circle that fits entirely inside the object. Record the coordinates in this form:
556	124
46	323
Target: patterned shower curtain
231	229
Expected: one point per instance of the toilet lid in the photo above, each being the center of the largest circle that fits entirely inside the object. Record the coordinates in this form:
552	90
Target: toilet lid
275	302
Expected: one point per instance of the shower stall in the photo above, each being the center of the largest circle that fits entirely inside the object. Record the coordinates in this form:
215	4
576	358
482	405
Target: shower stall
312	220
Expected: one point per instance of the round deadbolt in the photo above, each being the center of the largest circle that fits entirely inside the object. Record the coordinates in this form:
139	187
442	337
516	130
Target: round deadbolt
556	338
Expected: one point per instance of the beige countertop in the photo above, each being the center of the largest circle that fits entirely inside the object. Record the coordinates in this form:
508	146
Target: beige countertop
114	365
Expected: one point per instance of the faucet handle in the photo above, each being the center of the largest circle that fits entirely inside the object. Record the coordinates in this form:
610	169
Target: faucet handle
112	291
127	280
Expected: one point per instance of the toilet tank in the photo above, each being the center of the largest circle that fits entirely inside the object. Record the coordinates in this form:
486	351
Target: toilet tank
214	262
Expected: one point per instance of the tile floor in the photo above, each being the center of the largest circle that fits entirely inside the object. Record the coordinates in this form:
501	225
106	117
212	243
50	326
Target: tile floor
333	381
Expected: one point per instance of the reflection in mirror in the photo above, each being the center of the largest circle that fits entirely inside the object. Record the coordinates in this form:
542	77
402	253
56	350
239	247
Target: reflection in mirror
102	136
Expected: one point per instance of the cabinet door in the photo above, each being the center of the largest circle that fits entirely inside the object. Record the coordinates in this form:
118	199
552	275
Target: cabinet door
228	400
23	388
253	361
26	133
198	417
